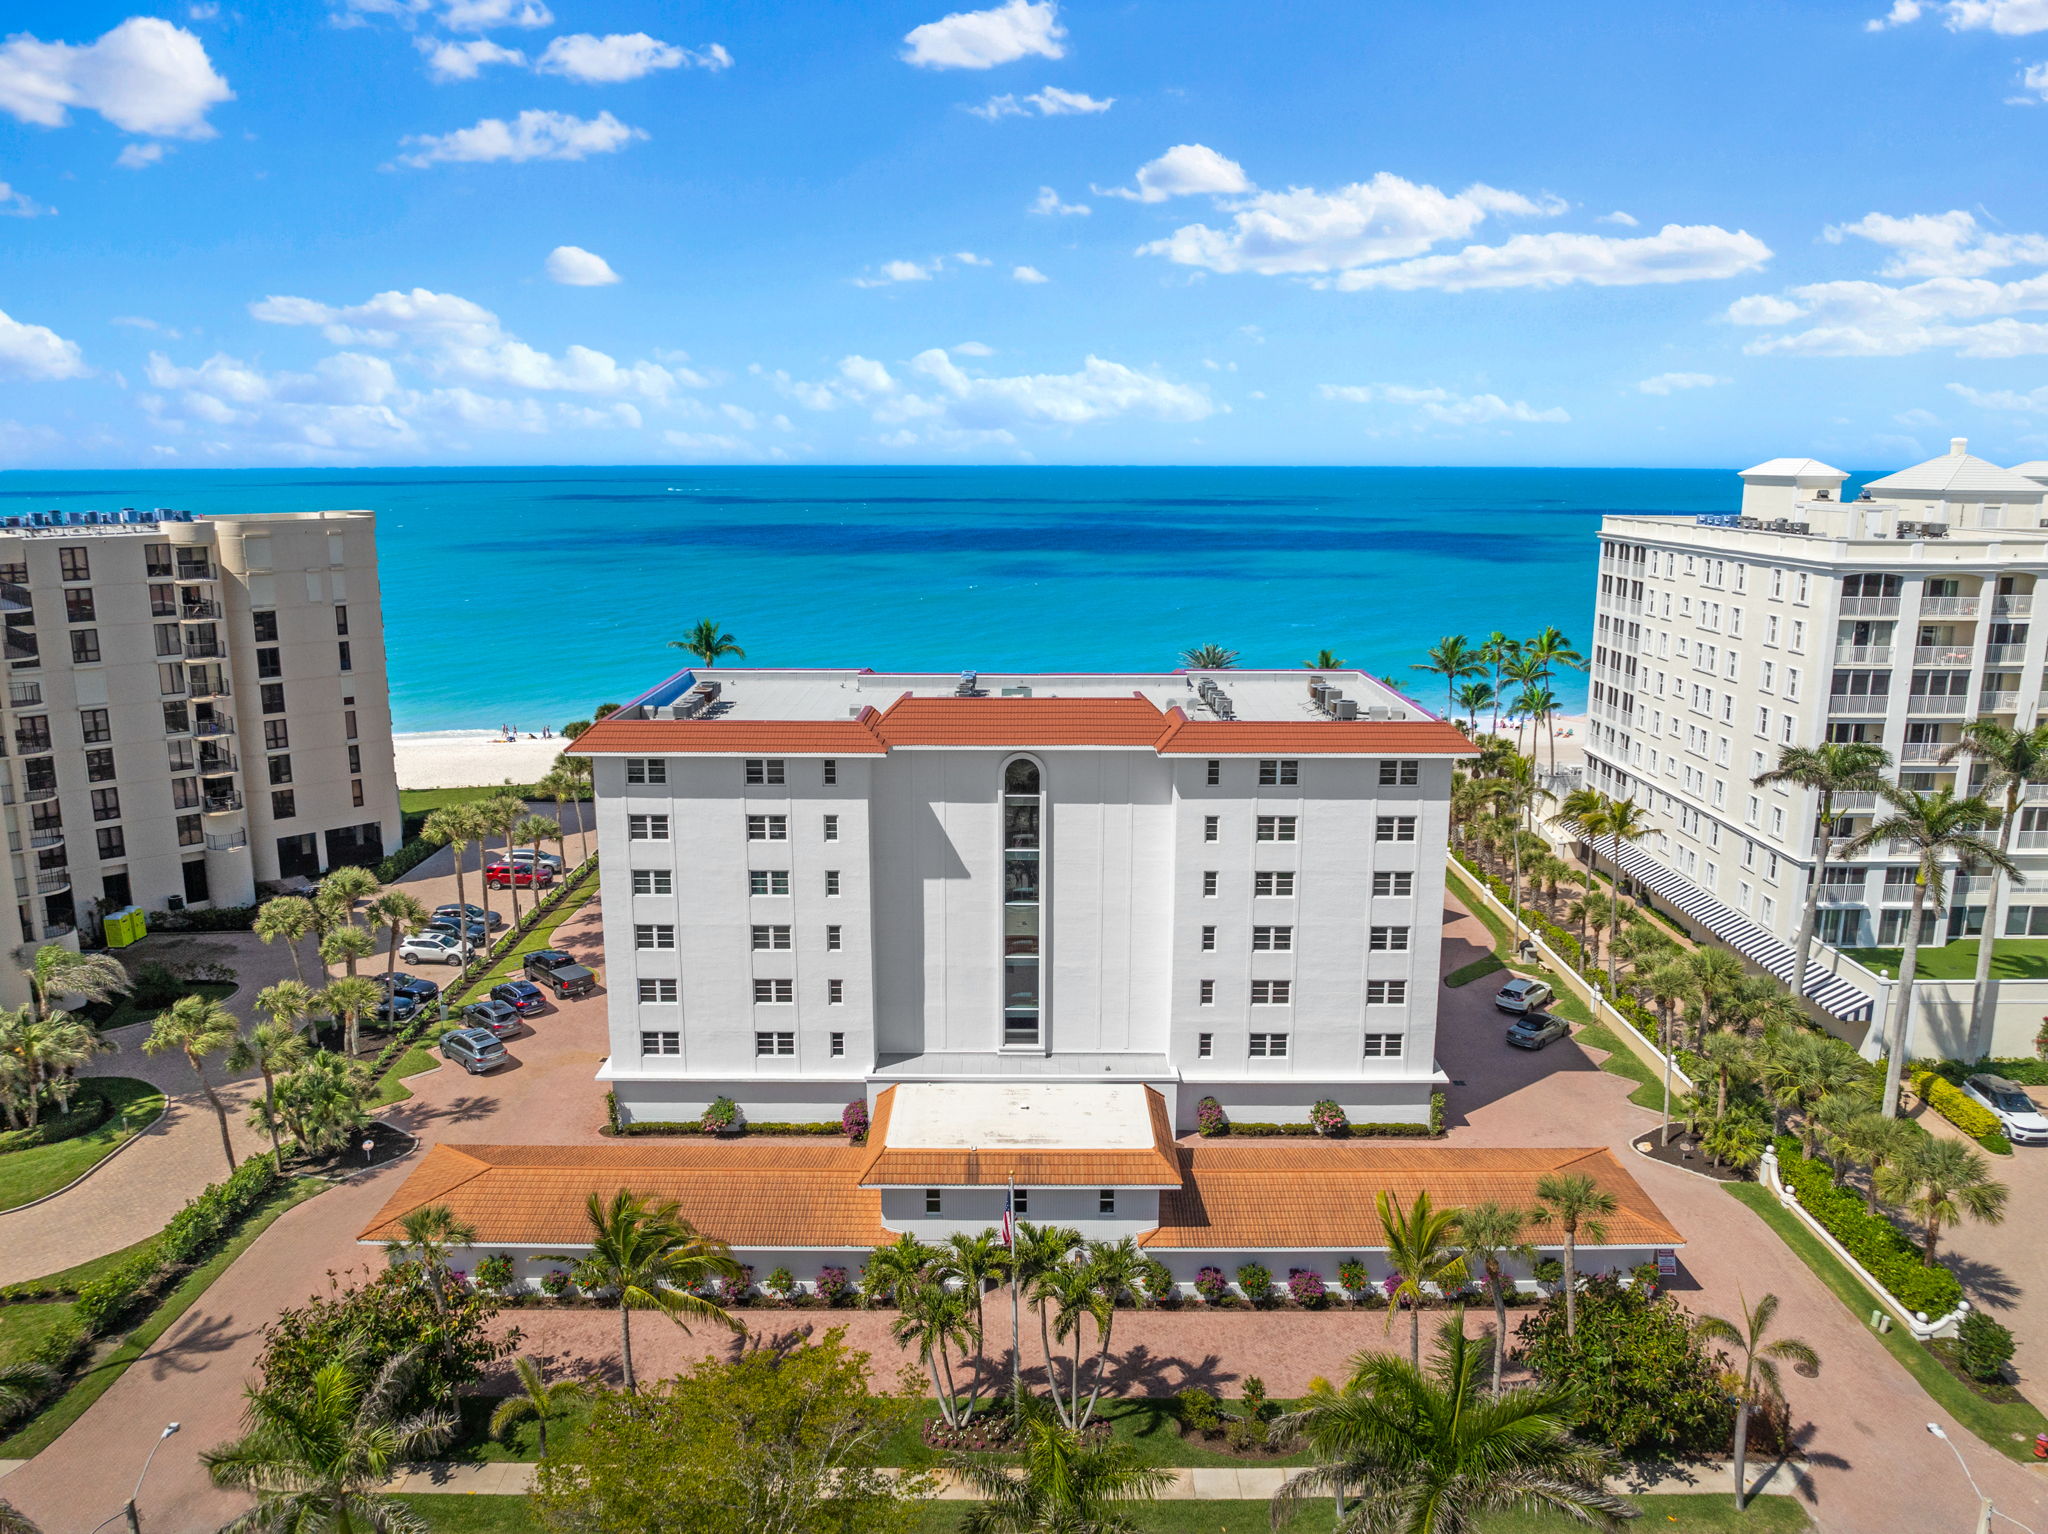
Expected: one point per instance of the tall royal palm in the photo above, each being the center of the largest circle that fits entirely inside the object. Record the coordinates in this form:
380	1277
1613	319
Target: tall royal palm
1497	651
288	919
708	642
1421	1249
1472	697
647	1257
1613	821
1432	1453
974	1261
452	826
272	1048
1577	1205
1937	829
1492	1232
2012	759
197	1027
1760	1383
1830	770
1454	659
1555	653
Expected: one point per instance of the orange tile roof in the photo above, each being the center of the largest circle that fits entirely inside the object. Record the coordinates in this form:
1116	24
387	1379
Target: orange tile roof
1320	1197
1312	737
916	1167
910	721
758	1193
797	737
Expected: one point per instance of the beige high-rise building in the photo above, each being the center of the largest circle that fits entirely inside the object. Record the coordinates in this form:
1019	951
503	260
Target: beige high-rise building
196	708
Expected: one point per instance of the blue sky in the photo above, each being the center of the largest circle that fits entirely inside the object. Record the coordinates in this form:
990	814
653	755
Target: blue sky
611	231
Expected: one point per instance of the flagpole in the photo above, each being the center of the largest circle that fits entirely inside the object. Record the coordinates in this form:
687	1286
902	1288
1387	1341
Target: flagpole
1016	1312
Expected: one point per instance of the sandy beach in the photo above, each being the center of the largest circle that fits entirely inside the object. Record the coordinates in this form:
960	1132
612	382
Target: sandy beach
471	758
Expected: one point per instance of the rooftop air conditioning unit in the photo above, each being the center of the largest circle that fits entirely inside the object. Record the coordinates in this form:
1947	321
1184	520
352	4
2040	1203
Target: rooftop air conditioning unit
1379	711
1344	708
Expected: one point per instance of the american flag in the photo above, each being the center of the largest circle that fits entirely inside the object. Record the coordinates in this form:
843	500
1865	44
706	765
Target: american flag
1009	1224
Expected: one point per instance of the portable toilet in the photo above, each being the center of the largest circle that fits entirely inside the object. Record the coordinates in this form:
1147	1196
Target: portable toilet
124	926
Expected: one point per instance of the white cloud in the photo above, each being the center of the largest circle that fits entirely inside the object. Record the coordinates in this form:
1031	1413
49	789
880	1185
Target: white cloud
143	76
983	39
1676	253
483	15
1626	220
140	322
1671	383
1901	13
1029	274
973	349
969	258
464	61
38	352
1185	170
140	156
622	56
1054	102
1049	203
901	271
532	135
2008	18
998	107
575	267
18	204
1941	244
1440	407
2033	401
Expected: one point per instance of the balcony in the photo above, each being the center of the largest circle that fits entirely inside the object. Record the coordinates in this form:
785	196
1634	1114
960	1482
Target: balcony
24	694
192	609
1999	702
1863	655
195	570
217	761
206	727
1948	607
227	841
21	645
221	804
1870	607
2004	654
202	649
1842	894
57	930
1924	750
207	687
1942	655
2030	841
1855	804
2011	607
33	795
1859	703
53	836
55	882
1922	703
14	598
2034	793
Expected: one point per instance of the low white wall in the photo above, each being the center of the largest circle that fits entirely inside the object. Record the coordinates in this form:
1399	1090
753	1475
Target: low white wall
1287	1102
1941	1014
791	1102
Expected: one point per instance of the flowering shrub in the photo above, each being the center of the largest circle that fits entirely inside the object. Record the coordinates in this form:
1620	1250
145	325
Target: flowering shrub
494	1273
554	1283
1305	1287
1256	1280
738	1288
833	1286
1210	1119
723	1117
1351	1273
1212	1286
782	1285
854	1120
1155	1283
1328	1118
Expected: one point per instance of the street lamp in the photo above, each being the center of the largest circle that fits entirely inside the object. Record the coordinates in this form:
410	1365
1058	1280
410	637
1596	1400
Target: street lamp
134	1522
1984	1508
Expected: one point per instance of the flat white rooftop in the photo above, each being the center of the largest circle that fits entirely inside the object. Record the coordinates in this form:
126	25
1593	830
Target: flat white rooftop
1023	1115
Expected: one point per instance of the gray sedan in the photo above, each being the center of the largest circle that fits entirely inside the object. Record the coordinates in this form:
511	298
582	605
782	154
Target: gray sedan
1533	1030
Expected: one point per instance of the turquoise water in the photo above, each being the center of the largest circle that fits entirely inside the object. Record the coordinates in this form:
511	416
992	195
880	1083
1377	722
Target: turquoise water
530	595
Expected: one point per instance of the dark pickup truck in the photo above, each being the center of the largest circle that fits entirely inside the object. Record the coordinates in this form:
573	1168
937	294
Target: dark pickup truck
560	973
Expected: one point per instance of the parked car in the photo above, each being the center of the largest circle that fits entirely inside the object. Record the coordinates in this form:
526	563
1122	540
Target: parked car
476	1050
1521	994
560	973
396	1007
1533	1030
2021	1120
472	912
522	996
399	983
433	948
497	1018
474	932
529	855
522	875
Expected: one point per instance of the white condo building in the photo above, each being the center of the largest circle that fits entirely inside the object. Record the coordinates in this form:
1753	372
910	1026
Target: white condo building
819	884
1893	617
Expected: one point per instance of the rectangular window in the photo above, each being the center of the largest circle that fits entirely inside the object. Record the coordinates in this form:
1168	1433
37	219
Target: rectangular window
284	804
1208	993
1105	1201
270	663
74	565
348	724
1280	883
831	881
341	620
1386	993
1215	774
1281	772
184	793
106	804
774	991
646	769
99	766
1382	1046
829	772
168	640
355	758
1272	993
271	695
835	992
163	603
652	881
647	828
190	831
85	646
832	943
78	606
266	627
1390	939
831	828
1205	1046
156	560
280	769
112	844
934	1203
1208	881
657	990
1276	828
763	770
1393	884
1272	939
838	1040
1404	774
771	937
355	793
1269	1046
1208	939
344	656
181	756
651	935
277	734
774	1043
768	881
661	1041
1210	826
92	723
767	828
1394	828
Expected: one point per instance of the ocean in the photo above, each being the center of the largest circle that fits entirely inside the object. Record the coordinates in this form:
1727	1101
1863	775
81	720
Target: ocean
528	596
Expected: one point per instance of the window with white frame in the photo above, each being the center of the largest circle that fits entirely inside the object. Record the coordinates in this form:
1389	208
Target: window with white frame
831	881
1394	828
1382	1046
1205	1046
1209	877
1268	1046
835	995
647	828
1402	774
1211	825
764	771
774	1043
1208	939
768	881
1276	828
1206	991
837	1043
1389	939
1272	939
657	990
1280	772
651	935
1272	993
832	937
646	769
1386	993
771	937
830	775
934	1202
1105	1201
767	828
1278	883
831	828
1386	882
661	1041
774	991
652	881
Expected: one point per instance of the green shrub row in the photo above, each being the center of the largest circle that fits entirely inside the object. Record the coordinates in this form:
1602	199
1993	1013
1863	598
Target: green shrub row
223	918
1246	1129
410	855
192	1232
2021	1072
1562	943
1883	1249
1968	1115
696	1127
90	1109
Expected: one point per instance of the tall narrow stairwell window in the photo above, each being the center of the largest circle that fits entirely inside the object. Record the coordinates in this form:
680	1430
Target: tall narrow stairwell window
1023	905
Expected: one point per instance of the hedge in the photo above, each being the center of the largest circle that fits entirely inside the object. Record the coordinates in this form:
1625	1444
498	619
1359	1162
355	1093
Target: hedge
88	1111
695	1127
224	918
1883	1249
1968	1115
1253	1130
192	1231
402	862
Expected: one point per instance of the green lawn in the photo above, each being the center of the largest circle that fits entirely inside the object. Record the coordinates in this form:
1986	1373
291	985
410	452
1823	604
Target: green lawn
1478	969
27	1175
1145	1423
2010	1429
23	1326
2015	958
413	801
127	1012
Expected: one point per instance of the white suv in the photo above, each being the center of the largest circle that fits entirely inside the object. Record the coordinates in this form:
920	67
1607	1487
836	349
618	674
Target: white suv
433	948
2022	1122
1522	994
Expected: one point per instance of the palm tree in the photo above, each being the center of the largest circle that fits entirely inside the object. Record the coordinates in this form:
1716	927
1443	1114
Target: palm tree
2012	759
1735	1139
1937	828
1554	652
891	1269
1760	1383
974	1262
58	971
197	1027
1796	1069
453	825
1665	986
1497	651
288	1003
430	1233
288	919
1064	1482
1326	660
1116	1268
1835	767
342	889
708	642
1576	1203
650	1258
1432	1453
346	945
400	915
562	785
317	1457
1472	697
1527	675
1454	660
1490	1232
1730	1057
1037	1251
936	1319
1943	1182
271	1048
1711	977
537	1402
1420	1250
1870	1140
321	1104
22	1383
1208	657
43	1052
502	813
351	998
530	831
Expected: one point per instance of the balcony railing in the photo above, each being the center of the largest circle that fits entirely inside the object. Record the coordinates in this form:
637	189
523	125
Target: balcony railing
53	883
1870	607
2012	607
2035	793
194	571
2004	654
59	929
1858	703
20	645
208	687
221	804
1841	894
24	694
1863	655
54	837
1922	703
205	727
194	608
33	795
1855	804
217	761
2030	840
1948	607
1998	702
202	649
1941	655
227	841
14	598
1924	750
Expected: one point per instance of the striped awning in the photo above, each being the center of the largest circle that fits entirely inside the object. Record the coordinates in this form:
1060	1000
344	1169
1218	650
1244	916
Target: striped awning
1824	988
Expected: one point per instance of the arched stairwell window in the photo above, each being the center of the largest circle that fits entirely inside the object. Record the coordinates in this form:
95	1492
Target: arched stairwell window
1023	905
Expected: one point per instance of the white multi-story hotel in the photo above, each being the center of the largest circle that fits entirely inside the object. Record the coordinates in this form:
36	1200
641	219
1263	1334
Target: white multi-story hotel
822	883
1892	617
194	707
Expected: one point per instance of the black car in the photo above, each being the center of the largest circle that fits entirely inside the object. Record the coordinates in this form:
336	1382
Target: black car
522	996
1533	1030
399	983
397	1007
498	1018
560	973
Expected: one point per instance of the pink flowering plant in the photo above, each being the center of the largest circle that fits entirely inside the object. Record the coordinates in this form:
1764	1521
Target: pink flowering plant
1210	1119
1212	1286
1328	1118
833	1286
853	1120
1305	1287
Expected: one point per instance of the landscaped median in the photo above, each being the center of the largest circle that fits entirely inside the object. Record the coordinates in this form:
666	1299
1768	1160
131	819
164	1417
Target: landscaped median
108	1112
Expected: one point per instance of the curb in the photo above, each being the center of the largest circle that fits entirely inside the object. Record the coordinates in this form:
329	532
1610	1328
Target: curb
109	1156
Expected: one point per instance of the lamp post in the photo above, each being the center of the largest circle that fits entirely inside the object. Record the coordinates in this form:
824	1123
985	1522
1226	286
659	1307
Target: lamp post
1984	1507
135	1522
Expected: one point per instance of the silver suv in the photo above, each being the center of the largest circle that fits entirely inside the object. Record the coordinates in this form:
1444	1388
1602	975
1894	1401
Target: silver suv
1522	994
474	1049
